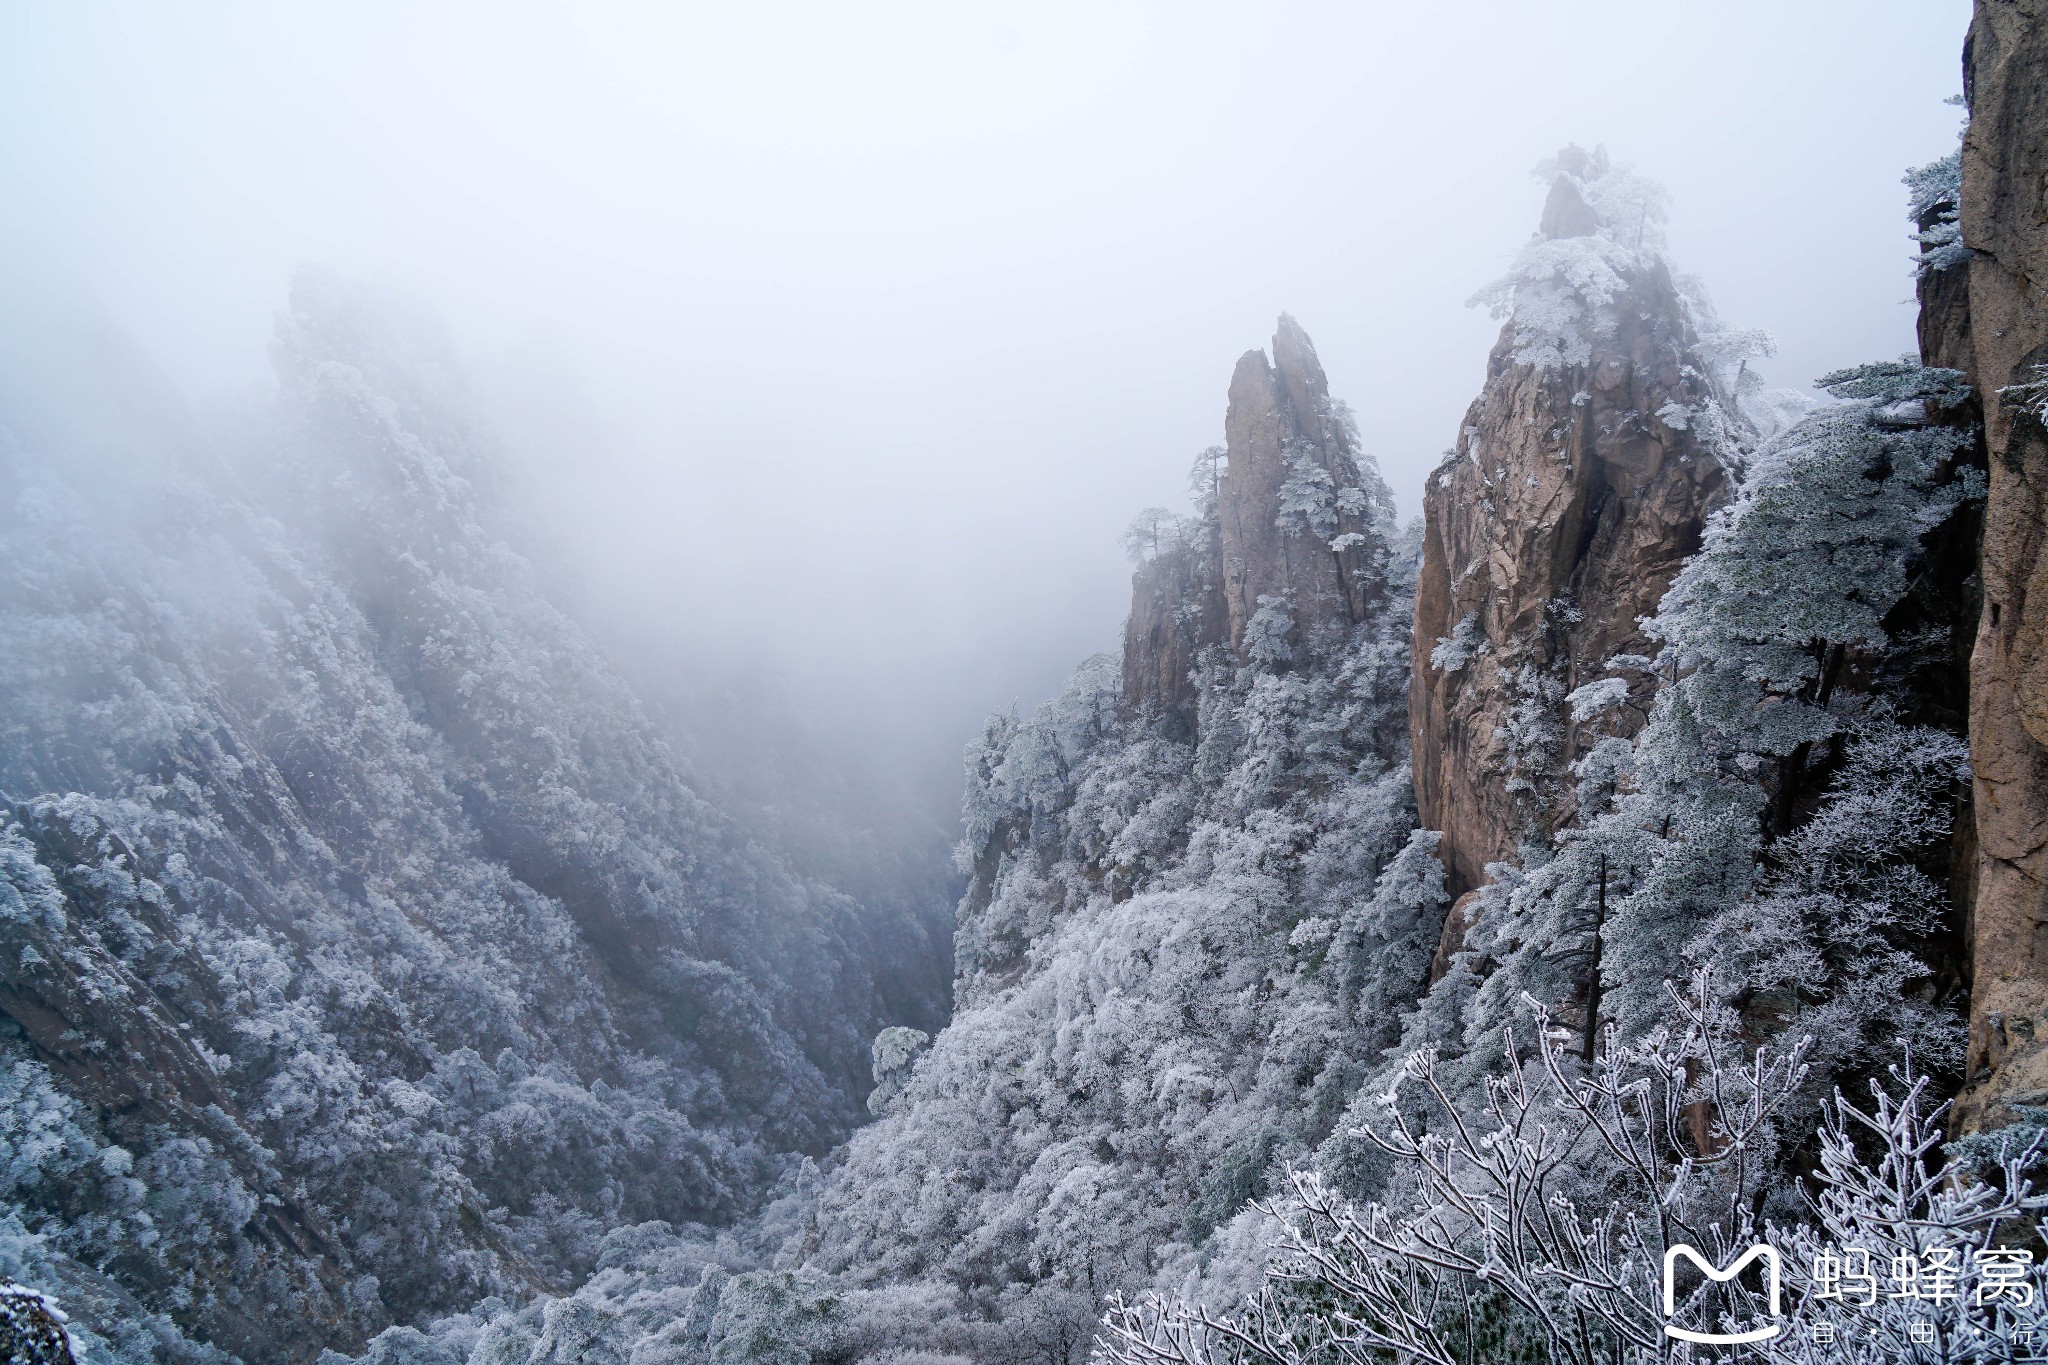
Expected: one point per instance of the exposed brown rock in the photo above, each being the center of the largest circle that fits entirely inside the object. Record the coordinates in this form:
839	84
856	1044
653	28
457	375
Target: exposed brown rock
1281	414
1995	329
1565	211
1204	589
1457	923
1558	520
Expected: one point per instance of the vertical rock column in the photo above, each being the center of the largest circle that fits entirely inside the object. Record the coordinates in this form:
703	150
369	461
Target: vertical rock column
1297	524
1286	441
1998	335
1573	495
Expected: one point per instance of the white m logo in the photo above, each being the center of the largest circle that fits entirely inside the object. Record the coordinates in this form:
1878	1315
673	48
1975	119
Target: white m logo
1768	1255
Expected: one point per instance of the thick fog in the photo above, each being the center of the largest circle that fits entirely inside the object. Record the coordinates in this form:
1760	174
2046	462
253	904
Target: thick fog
836	344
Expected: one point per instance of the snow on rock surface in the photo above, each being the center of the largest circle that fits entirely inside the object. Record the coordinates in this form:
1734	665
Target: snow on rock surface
1571	499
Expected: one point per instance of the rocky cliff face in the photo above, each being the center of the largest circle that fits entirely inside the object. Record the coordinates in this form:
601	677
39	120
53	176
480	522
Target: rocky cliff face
1295	515
1985	316
1580	481
1177	611
1290	546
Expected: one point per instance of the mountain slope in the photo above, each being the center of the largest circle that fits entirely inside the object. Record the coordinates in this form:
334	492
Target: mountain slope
1172	965
364	950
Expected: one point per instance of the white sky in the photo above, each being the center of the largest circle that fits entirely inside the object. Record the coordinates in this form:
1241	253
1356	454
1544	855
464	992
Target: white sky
876	323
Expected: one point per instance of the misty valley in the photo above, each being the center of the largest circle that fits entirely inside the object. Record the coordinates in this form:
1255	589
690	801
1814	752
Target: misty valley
1415	932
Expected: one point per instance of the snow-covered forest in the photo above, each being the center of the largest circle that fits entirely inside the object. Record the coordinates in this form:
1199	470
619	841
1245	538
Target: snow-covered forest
369	952
1416	929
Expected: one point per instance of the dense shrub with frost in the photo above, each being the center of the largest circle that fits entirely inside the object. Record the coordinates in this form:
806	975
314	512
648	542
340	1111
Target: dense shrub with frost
1561	291
1934	204
1534	1224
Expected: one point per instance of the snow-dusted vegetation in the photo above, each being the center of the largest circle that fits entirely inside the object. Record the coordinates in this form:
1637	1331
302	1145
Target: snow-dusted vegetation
366	950
380	984
1213	1044
1562	1116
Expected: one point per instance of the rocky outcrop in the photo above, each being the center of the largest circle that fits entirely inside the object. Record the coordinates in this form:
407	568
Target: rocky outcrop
1985	316
1295	516
1581	480
1290	545
1176	612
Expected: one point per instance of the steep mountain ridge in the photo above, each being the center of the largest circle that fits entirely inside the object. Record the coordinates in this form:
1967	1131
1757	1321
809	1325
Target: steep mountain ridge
1166	980
1699	737
1683	669
1196	902
366	949
367	952
1756	868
